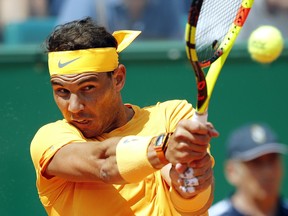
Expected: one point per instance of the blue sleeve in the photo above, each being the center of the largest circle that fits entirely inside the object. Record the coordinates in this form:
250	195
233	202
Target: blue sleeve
76	9
173	17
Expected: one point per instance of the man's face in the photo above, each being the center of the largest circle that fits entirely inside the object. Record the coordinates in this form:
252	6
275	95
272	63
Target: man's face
278	5
89	101
259	178
135	6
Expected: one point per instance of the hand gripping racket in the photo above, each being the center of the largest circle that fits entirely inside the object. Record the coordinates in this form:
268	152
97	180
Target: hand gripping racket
212	28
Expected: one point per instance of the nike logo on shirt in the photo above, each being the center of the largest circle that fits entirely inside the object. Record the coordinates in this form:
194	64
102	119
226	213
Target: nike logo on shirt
61	65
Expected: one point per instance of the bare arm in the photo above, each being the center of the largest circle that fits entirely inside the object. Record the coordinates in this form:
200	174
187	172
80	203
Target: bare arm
85	161
91	161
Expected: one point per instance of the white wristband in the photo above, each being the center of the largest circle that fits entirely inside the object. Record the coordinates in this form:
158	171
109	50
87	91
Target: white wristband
132	160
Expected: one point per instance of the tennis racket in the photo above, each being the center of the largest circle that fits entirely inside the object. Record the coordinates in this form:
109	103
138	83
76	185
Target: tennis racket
211	31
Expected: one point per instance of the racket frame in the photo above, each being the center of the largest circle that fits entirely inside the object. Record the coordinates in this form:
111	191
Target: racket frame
205	85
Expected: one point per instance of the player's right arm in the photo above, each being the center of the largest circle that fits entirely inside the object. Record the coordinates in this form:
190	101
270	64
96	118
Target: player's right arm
86	161
115	160
96	161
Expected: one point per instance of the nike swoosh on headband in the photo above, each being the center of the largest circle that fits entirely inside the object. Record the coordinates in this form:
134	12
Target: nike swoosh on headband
61	65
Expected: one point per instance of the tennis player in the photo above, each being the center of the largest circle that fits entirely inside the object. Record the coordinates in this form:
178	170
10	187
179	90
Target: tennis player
110	158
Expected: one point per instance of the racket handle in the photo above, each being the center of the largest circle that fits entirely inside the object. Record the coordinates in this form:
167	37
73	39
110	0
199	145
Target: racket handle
200	117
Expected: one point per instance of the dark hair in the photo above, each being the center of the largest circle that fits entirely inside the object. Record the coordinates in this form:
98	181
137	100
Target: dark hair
79	34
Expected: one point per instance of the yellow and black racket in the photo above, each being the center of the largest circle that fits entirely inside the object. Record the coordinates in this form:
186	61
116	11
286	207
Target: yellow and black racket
211	30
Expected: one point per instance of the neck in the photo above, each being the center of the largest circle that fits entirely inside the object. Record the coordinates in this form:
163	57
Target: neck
129	113
254	206
123	115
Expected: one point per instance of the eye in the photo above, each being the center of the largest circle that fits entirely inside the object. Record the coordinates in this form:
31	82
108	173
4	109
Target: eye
62	92
88	88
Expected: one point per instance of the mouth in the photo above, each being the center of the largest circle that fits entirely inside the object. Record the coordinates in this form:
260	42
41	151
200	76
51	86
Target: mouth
84	125
80	122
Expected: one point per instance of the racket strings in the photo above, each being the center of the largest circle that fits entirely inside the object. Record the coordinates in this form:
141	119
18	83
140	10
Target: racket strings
215	20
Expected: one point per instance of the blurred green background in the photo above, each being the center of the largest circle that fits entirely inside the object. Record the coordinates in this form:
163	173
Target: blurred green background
156	71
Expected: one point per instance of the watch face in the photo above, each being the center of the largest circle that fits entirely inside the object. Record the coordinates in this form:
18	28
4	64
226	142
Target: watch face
159	140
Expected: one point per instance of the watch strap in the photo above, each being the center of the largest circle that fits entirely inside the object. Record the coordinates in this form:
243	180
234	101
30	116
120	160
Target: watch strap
160	144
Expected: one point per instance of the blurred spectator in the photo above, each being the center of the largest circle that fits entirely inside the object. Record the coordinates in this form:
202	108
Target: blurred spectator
75	9
254	167
12	11
54	7
157	19
266	12
19	11
15	10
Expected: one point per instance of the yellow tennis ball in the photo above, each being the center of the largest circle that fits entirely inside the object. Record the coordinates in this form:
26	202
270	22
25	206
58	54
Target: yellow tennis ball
265	44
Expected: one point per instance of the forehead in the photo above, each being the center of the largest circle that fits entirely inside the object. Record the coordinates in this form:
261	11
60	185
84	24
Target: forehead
77	78
266	157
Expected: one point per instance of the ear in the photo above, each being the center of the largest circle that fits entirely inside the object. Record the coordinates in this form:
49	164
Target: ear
232	172
119	77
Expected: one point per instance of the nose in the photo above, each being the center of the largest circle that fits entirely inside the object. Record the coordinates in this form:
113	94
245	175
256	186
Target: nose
75	104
